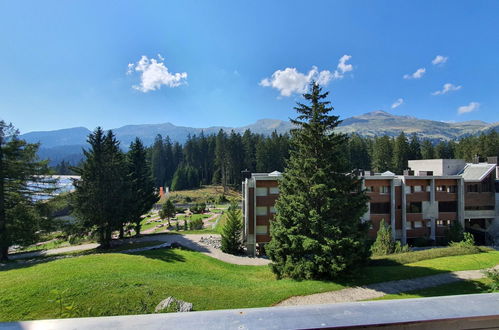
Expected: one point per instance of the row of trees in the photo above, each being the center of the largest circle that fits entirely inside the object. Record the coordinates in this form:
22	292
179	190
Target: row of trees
215	159
115	188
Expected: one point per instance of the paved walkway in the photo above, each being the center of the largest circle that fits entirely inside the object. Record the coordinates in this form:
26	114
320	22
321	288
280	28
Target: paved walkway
190	241
380	289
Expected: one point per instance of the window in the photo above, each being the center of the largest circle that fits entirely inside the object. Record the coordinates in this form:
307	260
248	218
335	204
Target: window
417	188
272	210
418	224
472	188
452	189
414	207
428	188
442	188
261	230
479	208
380	208
369	188
407	189
261	191
274	190
447	206
384	189
261	210
441	223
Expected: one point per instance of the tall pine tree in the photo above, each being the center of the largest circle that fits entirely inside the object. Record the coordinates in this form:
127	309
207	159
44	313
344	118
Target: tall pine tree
142	192
317	232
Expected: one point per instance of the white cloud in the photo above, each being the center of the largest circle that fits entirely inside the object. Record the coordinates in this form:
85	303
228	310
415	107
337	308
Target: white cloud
447	88
439	59
416	75
154	74
473	106
397	103
290	80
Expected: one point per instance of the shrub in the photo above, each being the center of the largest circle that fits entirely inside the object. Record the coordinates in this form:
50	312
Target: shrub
455	232
177	225
185	225
196	224
493	276
384	243
468	241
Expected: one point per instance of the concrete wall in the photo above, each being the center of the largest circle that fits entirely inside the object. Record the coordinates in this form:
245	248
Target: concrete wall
438	166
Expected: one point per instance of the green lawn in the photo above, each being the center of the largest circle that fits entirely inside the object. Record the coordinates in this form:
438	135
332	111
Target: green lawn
456	288
115	284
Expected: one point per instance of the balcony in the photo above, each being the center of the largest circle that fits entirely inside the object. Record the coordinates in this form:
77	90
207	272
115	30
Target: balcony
479	214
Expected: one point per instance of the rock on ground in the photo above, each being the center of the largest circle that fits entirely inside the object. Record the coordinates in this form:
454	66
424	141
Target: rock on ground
176	304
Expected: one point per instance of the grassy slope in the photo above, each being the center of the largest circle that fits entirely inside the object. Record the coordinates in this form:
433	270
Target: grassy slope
114	284
461	287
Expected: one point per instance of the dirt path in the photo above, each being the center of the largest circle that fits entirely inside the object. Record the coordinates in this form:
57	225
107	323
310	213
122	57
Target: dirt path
380	289
190	241
50	252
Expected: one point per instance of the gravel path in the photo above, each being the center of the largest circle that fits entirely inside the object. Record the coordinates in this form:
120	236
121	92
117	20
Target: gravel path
380	289
190	241
49	252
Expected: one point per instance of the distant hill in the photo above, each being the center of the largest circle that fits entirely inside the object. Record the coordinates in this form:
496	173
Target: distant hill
66	144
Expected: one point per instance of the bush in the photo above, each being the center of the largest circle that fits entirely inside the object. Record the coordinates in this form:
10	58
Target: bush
180	210
410	257
384	243
177	225
221	199
198	208
455	232
468	241
493	276
196	224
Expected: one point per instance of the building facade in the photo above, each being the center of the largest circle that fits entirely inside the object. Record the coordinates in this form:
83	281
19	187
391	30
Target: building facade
420	204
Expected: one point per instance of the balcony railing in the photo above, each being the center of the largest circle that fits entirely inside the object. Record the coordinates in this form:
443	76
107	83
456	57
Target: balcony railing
477	311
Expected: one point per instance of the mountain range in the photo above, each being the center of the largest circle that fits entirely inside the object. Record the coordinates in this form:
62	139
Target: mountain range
66	144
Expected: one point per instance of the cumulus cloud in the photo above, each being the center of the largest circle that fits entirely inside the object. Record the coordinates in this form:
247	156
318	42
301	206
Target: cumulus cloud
154	74
416	75
439	59
397	103
473	106
447	88
290	80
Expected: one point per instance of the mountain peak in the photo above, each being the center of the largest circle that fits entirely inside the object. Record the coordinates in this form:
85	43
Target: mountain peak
378	113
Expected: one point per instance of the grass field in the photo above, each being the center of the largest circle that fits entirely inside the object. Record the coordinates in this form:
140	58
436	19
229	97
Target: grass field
456	288
115	284
202	194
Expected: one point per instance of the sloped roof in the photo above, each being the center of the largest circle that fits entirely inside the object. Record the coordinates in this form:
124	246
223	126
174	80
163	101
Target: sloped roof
476	172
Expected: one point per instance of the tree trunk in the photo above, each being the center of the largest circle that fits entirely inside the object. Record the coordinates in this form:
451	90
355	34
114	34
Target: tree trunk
137	229
122	232
4	253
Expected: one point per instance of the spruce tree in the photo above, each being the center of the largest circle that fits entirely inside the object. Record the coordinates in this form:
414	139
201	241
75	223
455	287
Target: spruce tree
231	235
384	243
101	194
400	154
317	232
142	193
22	183
382	154
414	147
167	211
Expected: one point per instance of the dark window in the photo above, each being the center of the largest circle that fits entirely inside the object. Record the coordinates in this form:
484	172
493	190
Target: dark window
452	189
414	207
479	208
380	208
486	187
447	206
472	188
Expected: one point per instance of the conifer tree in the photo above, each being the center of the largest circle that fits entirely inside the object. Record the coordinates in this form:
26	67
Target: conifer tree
99	194
427	150
384	243
382	154
400	154
317	231
142	193
167	211
231	236
21	183
414	147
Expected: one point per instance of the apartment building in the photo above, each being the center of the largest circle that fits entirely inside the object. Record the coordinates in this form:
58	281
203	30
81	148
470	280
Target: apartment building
421	203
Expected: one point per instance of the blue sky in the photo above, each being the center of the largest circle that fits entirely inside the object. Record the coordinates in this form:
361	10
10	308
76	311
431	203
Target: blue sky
64	63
